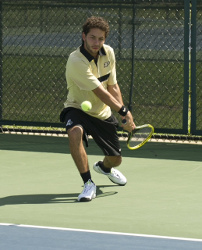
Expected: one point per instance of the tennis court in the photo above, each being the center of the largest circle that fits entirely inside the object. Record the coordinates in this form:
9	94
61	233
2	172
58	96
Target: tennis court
159	208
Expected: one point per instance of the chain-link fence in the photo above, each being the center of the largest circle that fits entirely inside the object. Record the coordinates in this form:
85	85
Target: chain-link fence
148	37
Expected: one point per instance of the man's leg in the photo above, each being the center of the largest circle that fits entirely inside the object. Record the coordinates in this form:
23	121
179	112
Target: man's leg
81	160
112	161
77	149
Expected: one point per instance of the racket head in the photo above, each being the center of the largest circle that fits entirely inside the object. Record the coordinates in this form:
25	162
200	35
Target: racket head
139	136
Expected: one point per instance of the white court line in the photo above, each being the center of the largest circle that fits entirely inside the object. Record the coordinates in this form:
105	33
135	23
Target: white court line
102	232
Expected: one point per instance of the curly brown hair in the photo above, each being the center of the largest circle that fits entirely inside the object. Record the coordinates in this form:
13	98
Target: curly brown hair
96	22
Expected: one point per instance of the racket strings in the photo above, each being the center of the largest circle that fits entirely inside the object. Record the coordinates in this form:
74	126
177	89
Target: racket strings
139	136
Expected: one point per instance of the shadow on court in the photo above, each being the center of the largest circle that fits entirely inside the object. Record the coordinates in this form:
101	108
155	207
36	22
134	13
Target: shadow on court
152	150
51	198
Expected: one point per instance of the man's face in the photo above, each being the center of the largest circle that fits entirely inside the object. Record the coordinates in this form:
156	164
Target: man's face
94	41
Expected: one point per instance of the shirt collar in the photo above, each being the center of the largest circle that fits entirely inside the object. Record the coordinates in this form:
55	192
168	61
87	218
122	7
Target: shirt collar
89	56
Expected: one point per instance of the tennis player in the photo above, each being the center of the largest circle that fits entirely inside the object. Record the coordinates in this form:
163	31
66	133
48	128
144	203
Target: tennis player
91	75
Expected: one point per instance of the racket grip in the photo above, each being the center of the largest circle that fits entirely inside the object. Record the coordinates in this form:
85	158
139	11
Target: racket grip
124	121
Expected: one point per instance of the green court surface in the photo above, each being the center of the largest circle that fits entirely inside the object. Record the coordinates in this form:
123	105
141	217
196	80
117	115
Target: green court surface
39	185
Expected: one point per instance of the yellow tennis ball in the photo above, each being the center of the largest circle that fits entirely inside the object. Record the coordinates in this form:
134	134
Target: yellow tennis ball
86	106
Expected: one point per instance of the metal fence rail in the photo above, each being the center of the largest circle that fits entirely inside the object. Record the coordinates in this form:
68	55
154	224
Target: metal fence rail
158	47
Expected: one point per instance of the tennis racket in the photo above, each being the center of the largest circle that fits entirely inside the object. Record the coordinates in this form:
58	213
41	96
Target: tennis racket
139	136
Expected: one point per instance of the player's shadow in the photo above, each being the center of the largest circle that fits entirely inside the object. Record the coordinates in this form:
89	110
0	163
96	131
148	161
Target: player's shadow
51	198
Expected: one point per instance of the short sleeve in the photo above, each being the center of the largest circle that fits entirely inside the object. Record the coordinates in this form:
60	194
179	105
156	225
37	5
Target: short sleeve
79	72
112	78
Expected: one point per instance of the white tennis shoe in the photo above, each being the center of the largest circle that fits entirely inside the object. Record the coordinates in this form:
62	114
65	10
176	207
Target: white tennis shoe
88	193
115	175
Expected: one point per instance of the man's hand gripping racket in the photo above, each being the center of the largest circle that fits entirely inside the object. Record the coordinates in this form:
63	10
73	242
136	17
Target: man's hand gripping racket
139	135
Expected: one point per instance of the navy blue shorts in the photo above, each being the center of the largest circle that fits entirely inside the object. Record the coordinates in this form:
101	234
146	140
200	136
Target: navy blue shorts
104	132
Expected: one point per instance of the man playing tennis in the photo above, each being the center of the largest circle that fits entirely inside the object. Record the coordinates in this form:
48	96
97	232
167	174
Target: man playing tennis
91	75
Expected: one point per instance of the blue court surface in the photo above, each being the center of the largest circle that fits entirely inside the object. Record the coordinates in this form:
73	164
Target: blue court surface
24	237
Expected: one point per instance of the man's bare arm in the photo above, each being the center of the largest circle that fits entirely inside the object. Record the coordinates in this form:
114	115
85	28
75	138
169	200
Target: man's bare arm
116	92
113	98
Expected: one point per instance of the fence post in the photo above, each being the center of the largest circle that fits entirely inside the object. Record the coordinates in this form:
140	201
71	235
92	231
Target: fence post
193	66
133	61
1	59
186	127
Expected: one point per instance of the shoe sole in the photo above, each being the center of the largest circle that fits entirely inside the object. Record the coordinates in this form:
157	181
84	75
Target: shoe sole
84	199
117	183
